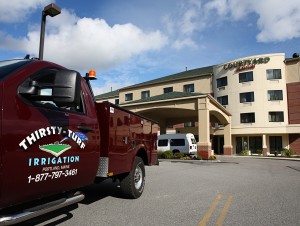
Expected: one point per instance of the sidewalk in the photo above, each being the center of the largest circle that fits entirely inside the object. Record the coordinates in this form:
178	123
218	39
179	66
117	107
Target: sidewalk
224	157
228	158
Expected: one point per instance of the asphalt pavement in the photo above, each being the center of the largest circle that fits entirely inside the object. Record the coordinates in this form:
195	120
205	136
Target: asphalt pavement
228	191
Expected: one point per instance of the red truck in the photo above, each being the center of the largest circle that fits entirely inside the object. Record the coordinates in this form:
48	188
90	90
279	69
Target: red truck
55	139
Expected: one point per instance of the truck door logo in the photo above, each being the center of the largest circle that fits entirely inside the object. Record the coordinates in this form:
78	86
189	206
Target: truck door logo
56	148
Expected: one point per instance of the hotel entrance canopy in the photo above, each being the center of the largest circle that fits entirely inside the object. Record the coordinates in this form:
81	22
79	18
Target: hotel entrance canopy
177	107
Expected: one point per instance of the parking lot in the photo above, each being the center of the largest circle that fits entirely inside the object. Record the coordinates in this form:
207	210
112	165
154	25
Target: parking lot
231	191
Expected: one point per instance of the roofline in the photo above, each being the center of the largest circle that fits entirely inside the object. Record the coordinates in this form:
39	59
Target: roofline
166	81
159	101
106	96
117	91
292	59
213	100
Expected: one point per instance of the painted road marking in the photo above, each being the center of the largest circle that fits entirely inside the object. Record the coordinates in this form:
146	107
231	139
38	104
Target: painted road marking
223	214
210	211
212	208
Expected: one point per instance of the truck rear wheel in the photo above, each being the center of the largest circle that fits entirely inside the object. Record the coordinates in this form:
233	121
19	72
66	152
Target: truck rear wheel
132	185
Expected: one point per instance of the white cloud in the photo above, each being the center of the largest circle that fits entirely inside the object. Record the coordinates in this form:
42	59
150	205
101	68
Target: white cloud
111	85
277	20
84	43
182	23
184	43
16	10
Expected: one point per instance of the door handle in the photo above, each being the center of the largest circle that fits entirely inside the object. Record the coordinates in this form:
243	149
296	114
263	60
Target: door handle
85	129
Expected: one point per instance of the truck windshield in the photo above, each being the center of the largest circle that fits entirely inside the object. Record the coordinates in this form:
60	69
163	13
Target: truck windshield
9	66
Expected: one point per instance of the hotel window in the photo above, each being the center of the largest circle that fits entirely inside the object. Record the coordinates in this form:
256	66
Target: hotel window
248	117
275	95
221	82
276	116
117	101
189	88
223	100
246	76
246	97
145	94
128	96
168	90
273	74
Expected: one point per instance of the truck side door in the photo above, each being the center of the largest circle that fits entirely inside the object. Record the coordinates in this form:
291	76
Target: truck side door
45	149
121	152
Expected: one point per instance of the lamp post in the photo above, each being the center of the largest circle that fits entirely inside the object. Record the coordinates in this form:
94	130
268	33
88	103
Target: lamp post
50	10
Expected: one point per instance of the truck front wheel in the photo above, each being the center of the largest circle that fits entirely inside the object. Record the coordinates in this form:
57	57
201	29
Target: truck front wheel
132	185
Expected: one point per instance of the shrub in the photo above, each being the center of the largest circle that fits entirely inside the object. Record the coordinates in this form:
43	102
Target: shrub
212	157
165	154
178	155
244	152
169	155
287	152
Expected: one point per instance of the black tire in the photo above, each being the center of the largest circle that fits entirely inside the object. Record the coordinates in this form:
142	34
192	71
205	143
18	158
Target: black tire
132	185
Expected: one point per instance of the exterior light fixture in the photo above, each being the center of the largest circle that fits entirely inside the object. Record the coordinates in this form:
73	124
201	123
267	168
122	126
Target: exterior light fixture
50	10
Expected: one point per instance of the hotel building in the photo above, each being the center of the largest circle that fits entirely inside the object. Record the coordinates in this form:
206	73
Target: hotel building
252	103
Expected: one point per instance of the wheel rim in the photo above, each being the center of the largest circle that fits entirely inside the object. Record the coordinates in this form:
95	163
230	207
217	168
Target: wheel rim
138	177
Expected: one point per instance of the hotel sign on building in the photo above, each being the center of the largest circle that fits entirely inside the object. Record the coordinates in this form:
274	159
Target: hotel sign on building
246	63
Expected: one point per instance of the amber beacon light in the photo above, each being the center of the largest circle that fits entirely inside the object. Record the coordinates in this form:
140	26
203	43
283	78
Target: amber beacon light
91	75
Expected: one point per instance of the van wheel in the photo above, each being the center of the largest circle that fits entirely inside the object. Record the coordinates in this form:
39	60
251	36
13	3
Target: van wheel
175	151
132	185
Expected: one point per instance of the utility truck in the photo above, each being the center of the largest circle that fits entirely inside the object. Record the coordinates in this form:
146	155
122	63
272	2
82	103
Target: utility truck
56	139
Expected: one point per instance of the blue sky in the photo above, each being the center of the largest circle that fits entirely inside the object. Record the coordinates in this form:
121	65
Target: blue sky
132	41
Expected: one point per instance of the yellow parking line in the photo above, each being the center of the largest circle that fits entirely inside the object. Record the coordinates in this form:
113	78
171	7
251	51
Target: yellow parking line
223	214
210	211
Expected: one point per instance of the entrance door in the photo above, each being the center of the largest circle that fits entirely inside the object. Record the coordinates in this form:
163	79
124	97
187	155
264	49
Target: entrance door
241	144
275	144
255	144
218	145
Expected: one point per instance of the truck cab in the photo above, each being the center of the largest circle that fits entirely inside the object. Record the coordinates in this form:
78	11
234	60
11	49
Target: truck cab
55	138
37	111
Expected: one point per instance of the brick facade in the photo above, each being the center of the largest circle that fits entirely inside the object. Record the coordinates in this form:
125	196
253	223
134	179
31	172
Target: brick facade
295	143
293	93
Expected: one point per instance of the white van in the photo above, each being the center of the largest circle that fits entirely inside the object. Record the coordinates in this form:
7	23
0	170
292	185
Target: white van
181	142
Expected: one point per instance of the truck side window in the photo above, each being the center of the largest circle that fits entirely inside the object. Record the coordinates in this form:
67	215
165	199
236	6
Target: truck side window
43	96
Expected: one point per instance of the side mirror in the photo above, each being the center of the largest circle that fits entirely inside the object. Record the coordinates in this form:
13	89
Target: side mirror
29	88
66	89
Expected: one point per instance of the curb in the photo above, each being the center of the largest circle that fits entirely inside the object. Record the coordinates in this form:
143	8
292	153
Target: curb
219	159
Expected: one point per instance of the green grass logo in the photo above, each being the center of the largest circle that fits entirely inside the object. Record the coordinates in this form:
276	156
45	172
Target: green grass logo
55	149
